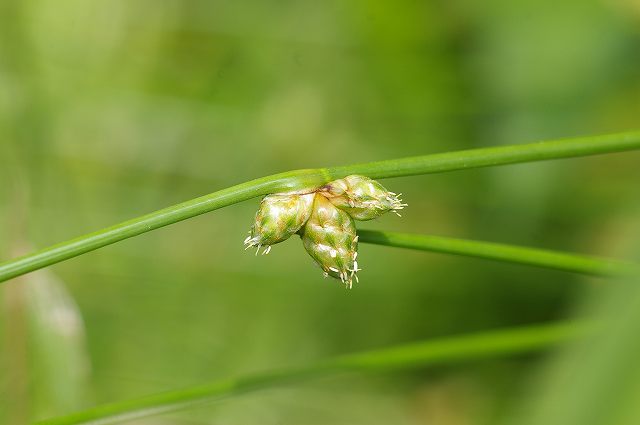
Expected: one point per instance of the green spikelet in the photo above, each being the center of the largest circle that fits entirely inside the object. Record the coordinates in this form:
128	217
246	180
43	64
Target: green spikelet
279	216
330	238
362	197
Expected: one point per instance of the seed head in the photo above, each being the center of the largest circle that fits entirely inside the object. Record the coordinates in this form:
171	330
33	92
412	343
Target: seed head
362	197
279	216
330	239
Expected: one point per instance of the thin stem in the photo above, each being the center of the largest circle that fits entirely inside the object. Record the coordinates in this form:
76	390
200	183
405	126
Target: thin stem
303	179
427	353
576	263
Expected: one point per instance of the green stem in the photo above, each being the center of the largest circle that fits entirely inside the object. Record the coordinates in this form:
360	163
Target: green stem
302	179
427	353
493	251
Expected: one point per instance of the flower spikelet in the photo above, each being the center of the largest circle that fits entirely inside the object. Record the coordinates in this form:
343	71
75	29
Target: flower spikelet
362	197
279	216
330	239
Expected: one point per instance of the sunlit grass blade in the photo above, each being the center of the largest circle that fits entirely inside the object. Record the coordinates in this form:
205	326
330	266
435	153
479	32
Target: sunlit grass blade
301	179
576	263
428	353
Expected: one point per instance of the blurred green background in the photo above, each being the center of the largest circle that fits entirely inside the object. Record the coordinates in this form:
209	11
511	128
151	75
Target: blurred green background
109	110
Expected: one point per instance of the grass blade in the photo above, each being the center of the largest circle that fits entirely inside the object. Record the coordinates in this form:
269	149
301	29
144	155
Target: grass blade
427	353
300	179
508	253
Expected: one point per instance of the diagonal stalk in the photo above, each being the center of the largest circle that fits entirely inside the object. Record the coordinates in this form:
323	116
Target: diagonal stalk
583	264
447	350
310	178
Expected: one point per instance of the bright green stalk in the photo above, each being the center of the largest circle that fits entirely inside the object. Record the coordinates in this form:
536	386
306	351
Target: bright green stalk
512	254
301	179
428	353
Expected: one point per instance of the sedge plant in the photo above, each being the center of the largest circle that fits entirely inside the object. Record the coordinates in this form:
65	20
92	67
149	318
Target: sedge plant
321	205
313	178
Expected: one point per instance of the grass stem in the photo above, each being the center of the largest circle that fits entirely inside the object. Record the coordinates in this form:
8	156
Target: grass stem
302	179
576	263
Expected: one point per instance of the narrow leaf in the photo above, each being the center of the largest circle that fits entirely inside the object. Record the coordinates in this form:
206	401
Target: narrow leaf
428	353
500	252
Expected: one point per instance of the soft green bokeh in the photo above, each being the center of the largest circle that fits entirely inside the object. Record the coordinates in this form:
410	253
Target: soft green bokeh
109	110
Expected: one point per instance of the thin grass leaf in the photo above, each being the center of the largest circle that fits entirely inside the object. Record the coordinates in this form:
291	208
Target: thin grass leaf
576	263
301	179
428	353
